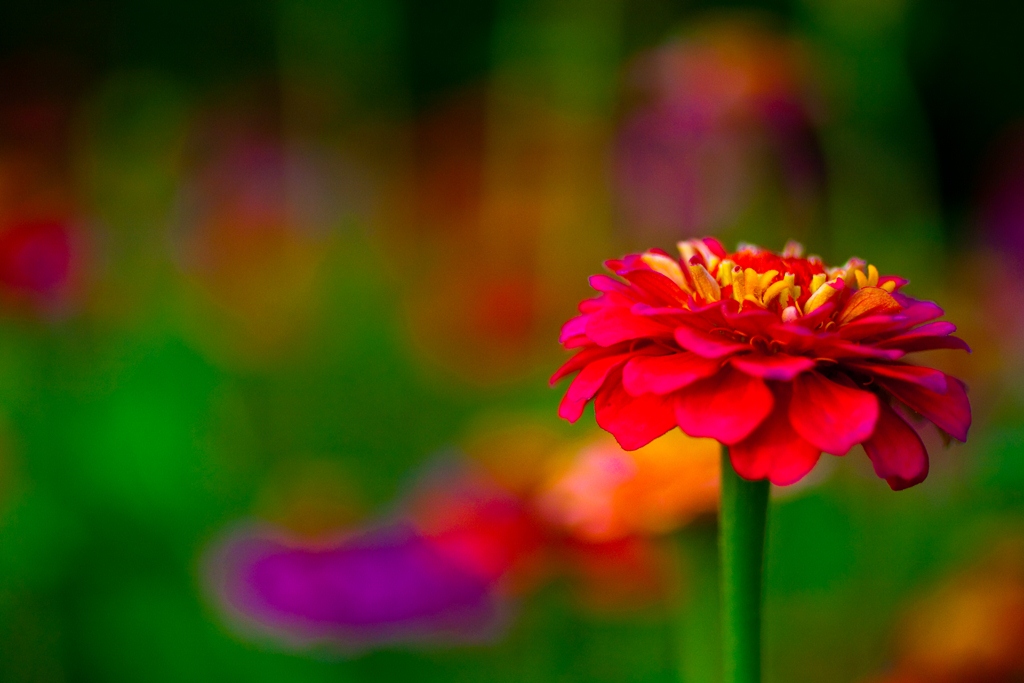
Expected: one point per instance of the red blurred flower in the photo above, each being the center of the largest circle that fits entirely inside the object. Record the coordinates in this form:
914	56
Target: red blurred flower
775	355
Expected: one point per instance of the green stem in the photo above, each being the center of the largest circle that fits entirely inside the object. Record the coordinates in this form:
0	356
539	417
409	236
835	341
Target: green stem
698	625
741	534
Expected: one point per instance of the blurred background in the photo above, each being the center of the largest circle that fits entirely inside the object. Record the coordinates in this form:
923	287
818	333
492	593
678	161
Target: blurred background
280	290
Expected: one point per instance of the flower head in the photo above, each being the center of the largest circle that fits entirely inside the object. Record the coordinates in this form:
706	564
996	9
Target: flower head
775	355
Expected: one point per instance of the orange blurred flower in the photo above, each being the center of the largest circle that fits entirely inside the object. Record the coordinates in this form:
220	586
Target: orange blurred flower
600	492
969	629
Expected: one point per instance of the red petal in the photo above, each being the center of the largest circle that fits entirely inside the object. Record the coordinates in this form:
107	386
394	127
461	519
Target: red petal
896	451
727	406
577	342
778	366
707	344
950	411
716	247
775	450
583	358
928	378
634	422
794	338
587	383
832	416
613	325
656	286
665	374
751	321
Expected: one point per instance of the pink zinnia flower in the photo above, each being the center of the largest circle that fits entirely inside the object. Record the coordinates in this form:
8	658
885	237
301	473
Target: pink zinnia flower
775	355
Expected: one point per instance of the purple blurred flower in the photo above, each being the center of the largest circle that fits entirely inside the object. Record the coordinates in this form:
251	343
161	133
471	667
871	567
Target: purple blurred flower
1002	201
690	154
385	586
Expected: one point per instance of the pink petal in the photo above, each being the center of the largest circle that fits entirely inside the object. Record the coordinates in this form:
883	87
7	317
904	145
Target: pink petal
571	409
648	310
775	450
839	349
950	410
917	312
586	384
575	327
665	374
820	314
926	338
613	325
900	281
914	313
606	283
777	366
896	451
928	378
707	344
873	326
832	416
634	422
727	406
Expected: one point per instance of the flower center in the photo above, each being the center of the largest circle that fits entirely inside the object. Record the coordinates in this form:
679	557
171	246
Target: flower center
788	284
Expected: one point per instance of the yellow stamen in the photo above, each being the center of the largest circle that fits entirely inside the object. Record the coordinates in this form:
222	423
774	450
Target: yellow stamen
778	288
686	250
725	272
889	286
862	279
751	282
739	289
666	266
872	276
817	281
766	278
821	296
706	285
754	300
